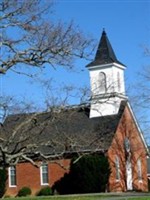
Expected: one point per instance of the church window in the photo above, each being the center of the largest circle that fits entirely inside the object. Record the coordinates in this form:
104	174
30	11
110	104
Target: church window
102	82
127	145
44	174
12	176
139	166
117	165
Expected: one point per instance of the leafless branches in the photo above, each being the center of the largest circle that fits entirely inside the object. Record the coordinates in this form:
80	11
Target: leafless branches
140	96
30	37
10	105
60	130
47	135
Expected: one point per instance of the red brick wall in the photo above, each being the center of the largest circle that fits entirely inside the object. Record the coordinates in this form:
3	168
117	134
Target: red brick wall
29	175
127	128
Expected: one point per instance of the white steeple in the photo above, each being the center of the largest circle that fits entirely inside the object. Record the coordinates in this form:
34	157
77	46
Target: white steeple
107	80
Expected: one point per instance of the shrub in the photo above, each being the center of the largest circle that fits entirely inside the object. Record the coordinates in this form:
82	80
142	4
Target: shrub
45	191
148	184
25	191
90	174
3	178
63	186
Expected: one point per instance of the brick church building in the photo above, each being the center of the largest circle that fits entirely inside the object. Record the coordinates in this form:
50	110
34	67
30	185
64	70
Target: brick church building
107	124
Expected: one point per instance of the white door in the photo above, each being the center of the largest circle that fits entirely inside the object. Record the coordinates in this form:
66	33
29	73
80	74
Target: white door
129	174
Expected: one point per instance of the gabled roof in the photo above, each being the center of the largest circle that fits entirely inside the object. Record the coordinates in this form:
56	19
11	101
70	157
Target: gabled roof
105	53
69	129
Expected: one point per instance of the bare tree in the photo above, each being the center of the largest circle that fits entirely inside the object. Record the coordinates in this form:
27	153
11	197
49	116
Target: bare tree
141	97
60	129
29	37
22	122
49	135
11	105
61	95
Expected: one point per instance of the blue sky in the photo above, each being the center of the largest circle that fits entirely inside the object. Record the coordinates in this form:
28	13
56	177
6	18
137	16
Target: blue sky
127	24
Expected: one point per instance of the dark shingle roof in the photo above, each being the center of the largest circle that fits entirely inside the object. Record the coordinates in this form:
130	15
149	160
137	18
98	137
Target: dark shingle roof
105	53
70	129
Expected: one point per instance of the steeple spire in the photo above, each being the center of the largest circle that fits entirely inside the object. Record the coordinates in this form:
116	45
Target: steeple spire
105	53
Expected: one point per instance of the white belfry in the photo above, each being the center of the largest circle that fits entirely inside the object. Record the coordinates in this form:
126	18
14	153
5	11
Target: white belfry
107	80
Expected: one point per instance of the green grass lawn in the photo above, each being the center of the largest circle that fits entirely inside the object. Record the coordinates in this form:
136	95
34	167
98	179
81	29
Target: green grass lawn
81	197
78	198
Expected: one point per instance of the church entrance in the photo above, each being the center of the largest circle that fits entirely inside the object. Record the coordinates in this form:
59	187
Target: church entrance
129	174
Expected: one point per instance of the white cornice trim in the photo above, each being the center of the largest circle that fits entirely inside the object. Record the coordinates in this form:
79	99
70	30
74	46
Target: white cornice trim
106	66
109	95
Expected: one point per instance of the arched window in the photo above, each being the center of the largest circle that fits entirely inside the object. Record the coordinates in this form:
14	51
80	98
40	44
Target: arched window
117	165
139	166
127	145
102	82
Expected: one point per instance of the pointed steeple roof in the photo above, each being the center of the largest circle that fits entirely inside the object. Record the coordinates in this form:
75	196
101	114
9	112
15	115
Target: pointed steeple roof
105	53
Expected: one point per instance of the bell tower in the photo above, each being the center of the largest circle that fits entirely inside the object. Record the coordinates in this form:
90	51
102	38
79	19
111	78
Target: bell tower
107	80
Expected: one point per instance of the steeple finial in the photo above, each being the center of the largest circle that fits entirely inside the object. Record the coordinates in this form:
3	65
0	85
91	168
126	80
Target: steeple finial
104	32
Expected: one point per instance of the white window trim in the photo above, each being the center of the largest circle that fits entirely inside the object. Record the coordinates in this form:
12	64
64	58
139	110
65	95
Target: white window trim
139	165
117	168
41	173
9	177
